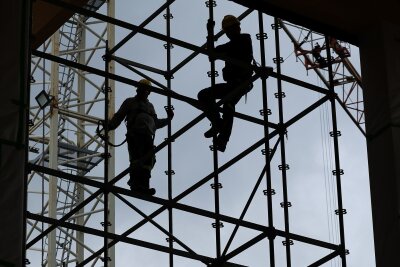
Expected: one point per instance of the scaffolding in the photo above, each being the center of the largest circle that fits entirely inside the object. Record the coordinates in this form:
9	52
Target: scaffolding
62	222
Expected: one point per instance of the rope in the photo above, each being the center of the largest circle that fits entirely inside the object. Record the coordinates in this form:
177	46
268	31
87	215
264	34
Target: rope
103	137
331	201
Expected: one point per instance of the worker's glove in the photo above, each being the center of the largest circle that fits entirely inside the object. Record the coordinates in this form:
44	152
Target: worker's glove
170	113
212	56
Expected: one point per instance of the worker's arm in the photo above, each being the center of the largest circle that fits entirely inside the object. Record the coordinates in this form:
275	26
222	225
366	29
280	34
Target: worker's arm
222	49
119	116
164	122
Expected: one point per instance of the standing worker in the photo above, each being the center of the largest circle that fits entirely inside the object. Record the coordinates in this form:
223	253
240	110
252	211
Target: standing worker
237	77
141	124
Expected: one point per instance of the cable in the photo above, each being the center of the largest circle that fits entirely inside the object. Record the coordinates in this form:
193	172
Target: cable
103	137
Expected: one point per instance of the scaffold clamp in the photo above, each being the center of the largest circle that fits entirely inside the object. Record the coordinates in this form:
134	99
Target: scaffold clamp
280	95
333	134
263	151
340	211
341	172
262	112
106	57
103	224
168	17
103	259
169	107
273	25
168	76
286	243
269	192
287	204
211	74
215	225
168	45
262	36
283	167
104	89
213	3
216	186
280	60
169	172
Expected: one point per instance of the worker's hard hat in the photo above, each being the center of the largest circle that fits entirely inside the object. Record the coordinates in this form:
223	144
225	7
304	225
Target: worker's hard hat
142	86
228	21
144	82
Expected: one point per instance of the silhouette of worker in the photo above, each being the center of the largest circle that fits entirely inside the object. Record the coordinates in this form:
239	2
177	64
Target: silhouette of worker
316	52
141	124
237	78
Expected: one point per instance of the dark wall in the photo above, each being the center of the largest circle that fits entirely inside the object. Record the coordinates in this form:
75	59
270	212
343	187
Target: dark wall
13	106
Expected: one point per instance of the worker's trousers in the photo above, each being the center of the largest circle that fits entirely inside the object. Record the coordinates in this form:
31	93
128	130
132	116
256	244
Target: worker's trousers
141	157
231	96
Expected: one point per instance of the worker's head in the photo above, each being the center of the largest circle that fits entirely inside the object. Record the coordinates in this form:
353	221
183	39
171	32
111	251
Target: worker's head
231	25
143	89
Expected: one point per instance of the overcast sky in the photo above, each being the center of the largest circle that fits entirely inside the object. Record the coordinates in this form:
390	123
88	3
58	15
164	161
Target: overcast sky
311	186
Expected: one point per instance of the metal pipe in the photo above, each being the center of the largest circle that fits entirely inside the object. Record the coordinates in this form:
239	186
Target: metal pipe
111	135
337	172
106	160
268	155
210	47
97	43
79	115
53	150
283	165
168	18
67	52
85	103
142	25
80	158
247	205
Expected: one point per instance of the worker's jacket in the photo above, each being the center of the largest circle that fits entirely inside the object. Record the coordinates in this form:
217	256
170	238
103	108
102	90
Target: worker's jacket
240	49
139	115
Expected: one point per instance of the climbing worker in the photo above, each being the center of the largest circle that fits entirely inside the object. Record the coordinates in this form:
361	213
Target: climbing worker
237	78
316	52
141	123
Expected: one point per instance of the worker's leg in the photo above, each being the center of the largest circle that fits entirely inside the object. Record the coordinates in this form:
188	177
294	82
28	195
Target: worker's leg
133	157
207	99
141	155
146	141
226	129
228	114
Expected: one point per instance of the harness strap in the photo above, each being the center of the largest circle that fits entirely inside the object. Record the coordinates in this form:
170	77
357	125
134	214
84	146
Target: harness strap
103	137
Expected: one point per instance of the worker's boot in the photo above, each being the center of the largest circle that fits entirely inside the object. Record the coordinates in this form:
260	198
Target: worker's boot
220	143
215	128
143	186
144	191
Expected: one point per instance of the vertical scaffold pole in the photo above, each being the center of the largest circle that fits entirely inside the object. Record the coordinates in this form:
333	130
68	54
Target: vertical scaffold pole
210	45
111	135
337	172
106	157
168	77
53	149
80	236
262	36
283	167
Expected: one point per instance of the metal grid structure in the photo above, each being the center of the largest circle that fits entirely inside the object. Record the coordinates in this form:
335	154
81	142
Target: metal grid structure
66	159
